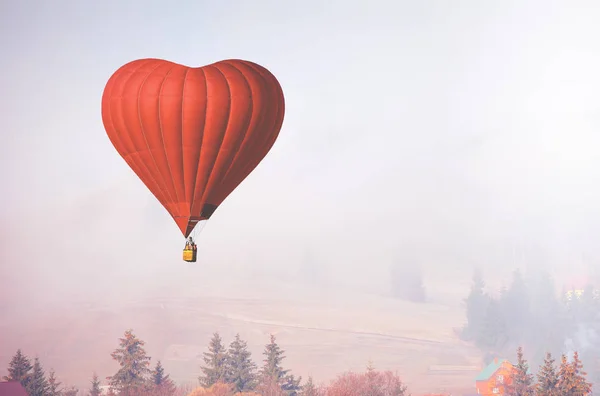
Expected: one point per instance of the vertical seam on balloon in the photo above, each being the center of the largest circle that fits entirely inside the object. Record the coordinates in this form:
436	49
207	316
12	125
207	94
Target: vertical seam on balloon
247	131
182	135
144	132
162	138
141	163
201	141
208	180
280	109
264	144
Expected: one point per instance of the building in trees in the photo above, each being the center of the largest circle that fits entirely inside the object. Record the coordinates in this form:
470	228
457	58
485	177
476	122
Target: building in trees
493	378
12	388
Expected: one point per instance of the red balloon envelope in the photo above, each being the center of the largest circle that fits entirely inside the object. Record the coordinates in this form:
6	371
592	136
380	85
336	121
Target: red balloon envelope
192	135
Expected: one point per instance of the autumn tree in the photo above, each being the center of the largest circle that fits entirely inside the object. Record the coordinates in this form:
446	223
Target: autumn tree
161	383
37	384
53	384
273	373
95	390
132	376
522	381
572	378
215	368
19	369
372	383
241	370
547	378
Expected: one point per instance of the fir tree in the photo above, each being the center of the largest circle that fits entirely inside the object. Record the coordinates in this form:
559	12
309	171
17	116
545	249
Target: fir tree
476	304
95	391
572	380
134	362
71	391
53	384
19	369
241	370
522	380
161	383
309	388
547	378
582	387
272	371
38	384
215	359
274	355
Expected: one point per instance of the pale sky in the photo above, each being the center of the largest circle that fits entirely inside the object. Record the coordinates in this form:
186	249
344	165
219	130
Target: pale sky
457	132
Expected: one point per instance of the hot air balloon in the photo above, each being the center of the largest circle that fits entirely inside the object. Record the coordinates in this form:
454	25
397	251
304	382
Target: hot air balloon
192	135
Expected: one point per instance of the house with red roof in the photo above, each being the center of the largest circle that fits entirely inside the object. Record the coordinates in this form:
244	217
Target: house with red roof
492	379
12	388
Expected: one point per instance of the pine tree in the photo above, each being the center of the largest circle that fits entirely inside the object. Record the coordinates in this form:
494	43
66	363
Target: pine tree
241	370
309	388
53	384
161	383
215	359
547	378
476	305
582	387
572	380
134	362
522	380
19	369
272	371
38	384
272	363
71	391
95	391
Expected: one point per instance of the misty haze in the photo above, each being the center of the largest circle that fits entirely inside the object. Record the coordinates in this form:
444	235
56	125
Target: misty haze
427	219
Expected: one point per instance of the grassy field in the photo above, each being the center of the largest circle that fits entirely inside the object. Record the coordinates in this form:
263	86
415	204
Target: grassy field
323	333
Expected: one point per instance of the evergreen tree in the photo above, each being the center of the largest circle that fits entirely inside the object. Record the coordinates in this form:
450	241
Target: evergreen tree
476	305
494	332
53	384
215	369
19	369
515	304
95	391
572	380
582	387
241	370
38	384
272	371
161	383
309	388
71	391
547	378
134	362
522	380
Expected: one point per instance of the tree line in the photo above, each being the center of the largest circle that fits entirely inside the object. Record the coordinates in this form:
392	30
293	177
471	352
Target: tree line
531	313
566	379
226	371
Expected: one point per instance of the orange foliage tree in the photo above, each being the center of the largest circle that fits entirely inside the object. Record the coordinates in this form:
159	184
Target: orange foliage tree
372	383
220	389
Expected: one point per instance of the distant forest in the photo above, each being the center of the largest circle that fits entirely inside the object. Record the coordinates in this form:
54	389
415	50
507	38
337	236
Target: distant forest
533	314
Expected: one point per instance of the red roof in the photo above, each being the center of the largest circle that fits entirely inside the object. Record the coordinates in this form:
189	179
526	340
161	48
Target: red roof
12	388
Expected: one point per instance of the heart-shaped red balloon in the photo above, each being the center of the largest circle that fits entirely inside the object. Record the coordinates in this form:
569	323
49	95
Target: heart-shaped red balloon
192	135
